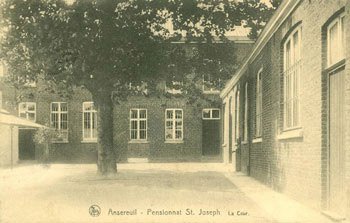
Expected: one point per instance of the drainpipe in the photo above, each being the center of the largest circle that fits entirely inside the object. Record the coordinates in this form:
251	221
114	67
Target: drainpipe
11	145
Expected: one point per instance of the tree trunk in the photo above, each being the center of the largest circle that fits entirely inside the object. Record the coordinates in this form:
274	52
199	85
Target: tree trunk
106	159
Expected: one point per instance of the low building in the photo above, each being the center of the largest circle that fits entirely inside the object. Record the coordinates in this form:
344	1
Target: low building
287	109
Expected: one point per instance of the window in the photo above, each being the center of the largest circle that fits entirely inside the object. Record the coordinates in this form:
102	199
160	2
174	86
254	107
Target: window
0	99
245	124
211	113
210	86
2	69
138	124
258	105
27	110
89	122
336	40
174	87
59	120
291	76
173	124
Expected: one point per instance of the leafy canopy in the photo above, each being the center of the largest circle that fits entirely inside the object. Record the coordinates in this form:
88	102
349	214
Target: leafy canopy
105	45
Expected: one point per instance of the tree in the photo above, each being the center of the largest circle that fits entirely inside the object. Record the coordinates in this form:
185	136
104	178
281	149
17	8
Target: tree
256	14
108	46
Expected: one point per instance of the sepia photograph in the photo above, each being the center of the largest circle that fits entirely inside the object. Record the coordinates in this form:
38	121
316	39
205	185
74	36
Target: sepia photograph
178	111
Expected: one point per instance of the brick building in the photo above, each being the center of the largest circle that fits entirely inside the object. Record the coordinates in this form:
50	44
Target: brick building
145	128
287	109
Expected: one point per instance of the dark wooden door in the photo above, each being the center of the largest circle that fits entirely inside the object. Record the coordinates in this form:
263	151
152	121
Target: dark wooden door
336	140
26	144
210	137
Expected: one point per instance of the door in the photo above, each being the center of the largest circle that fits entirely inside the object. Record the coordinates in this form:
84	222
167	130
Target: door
211	132
26	144
336	140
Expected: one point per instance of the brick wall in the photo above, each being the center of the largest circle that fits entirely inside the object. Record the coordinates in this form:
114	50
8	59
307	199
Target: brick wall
295	166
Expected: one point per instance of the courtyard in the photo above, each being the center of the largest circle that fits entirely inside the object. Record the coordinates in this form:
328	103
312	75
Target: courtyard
191	192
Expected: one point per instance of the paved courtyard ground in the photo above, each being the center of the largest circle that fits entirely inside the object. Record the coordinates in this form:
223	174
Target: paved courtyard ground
147	192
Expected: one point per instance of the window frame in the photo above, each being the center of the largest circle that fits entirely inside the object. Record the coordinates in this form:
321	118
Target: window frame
245	121
338	21
138	119
258	104
213	90
92	112
59	112
211	113
174	120
26	110
295	80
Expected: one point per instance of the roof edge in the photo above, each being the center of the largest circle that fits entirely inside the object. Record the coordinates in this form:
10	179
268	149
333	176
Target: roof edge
283	11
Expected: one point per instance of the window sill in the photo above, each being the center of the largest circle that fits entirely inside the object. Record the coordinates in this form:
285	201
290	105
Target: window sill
257	140
245	142
89	141
174	141
138	141
290	134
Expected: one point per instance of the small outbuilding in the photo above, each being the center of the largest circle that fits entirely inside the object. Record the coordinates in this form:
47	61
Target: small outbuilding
9	125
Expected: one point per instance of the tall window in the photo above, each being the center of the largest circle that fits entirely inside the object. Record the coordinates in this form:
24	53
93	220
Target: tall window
245	126
173	124
210	86
336	40
2	69
0	99
89	122
237	116
27	110
59	119
258	105
138	124
291	78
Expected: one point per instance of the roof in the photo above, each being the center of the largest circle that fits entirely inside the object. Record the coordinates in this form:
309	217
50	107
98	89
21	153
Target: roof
7	119
283	11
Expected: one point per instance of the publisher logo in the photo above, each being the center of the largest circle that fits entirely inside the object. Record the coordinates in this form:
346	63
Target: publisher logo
94	210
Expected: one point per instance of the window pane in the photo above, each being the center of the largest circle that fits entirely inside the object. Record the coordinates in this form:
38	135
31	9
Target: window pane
143	113
206	113
23	115
143	125
178	125
288	55
178	114
169	114
133	114
333	44
31	107
54	107
168	134
215	113
134	125
142	134
64	107
133	134
31	116
169	124
178	134
296	47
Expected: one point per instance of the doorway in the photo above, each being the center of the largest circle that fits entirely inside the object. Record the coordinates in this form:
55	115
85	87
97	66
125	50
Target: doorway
211	132
336	141
26	145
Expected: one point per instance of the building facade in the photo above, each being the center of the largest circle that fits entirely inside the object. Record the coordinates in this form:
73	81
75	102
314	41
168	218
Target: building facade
287	110
146	129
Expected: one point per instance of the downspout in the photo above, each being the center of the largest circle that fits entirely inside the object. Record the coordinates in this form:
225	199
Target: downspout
11	145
